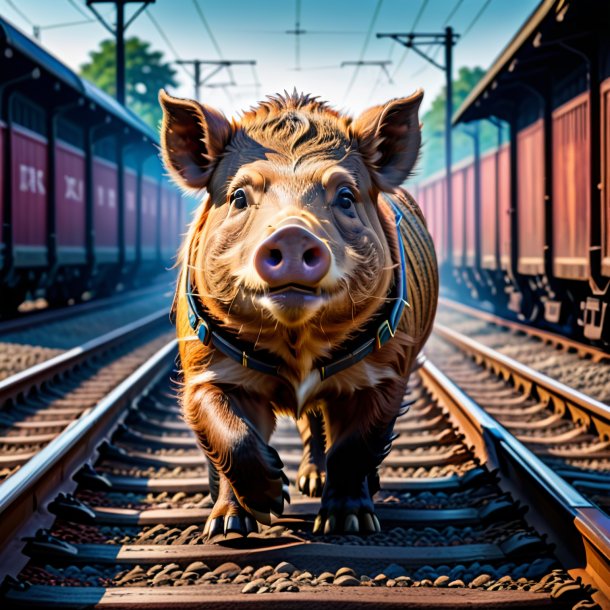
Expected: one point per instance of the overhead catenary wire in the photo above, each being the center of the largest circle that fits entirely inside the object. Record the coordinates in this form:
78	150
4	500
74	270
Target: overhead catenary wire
365	45
214	42
20	12
53	26
472	23
476	18
418	17
453	12
168	43
78	8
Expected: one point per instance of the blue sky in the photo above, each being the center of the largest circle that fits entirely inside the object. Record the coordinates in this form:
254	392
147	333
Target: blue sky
245	29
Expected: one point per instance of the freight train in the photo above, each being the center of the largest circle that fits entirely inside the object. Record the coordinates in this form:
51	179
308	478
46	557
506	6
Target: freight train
84	203
528	232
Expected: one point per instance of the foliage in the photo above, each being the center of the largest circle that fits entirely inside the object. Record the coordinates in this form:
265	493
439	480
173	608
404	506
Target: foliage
433	133
145	74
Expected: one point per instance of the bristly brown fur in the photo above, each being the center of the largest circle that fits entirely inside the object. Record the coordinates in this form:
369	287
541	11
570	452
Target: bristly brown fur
290	153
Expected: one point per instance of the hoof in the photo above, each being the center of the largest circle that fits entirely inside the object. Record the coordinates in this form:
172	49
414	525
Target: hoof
217	528
346	523
310	480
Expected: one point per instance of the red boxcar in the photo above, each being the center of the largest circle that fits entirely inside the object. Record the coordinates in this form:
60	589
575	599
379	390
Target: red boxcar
148	218
504	205
495	207
469	215
530	197
105	210
571	189
458	184
70	203
29	196
437	217
488	219
605	150
130	181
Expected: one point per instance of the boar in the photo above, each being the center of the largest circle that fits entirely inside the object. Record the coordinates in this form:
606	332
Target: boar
308	285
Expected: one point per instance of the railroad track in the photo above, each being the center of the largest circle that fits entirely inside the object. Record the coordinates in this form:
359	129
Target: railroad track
568	430
40	402
582	367
128	533
49	315
32	339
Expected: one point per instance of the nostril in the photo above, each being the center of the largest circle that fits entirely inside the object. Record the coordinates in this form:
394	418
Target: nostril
311	256
275	257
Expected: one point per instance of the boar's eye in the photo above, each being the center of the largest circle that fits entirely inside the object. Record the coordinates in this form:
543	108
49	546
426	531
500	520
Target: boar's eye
344	198
239	199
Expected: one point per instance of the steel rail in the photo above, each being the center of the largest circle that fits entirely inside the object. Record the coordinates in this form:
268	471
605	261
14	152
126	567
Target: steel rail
580	530
48	316
564	399
585	351
33	377
37	481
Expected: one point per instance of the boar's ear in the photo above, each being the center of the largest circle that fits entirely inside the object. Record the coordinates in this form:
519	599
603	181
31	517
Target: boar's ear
389	137
193	137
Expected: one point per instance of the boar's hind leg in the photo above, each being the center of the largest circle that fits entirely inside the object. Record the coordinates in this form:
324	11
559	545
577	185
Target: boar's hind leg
312	470
231	428
361	437
227	516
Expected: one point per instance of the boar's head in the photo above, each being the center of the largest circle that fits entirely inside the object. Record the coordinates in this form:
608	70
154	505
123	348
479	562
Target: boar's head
293	238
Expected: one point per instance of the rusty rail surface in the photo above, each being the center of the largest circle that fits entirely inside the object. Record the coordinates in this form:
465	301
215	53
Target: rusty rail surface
564	400
585	351
578	527
22	383
130	531
38	480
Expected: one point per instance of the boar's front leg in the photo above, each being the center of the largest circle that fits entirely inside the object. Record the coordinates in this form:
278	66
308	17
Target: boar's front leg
361	435
232	428
227	516
312	470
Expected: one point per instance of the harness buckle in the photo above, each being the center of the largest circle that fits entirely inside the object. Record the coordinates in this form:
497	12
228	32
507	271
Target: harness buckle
203	332
384	333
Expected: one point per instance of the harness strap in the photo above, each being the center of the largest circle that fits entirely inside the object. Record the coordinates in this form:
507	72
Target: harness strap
210	334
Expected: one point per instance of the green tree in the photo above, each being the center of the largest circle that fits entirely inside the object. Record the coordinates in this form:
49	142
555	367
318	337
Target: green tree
433	133
145	73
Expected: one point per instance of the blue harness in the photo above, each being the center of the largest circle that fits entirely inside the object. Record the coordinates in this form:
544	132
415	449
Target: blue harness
210	333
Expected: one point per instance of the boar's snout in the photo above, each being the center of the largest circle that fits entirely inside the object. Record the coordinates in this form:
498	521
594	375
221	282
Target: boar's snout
292	255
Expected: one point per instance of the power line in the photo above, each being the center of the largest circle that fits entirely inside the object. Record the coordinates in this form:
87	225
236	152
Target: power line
437	50
78	8
208	29
168	43
451	14
20	12
53	26
418	17
455	9
365	46
476	18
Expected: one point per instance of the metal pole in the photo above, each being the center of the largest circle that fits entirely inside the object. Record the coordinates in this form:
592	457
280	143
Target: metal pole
448	138
120	52
197	65
478	217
